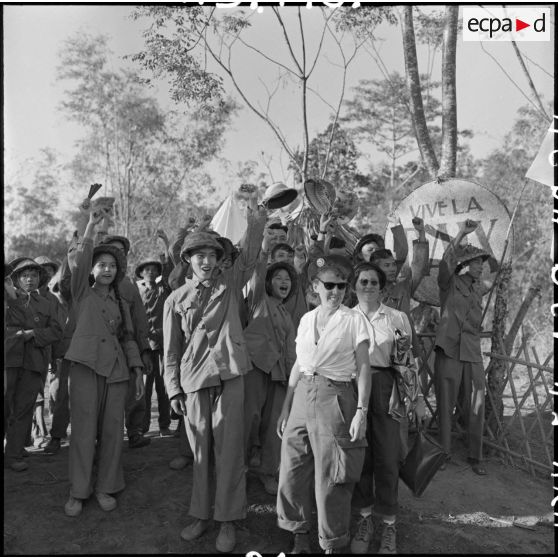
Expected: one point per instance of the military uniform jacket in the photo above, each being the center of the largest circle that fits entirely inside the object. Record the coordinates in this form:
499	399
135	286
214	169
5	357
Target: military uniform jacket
39	314
96	341
270	333
202	331
461	311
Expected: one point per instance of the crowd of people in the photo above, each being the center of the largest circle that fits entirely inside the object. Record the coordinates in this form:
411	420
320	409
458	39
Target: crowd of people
277	359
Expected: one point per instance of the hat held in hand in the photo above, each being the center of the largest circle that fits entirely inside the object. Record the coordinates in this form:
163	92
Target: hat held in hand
278	195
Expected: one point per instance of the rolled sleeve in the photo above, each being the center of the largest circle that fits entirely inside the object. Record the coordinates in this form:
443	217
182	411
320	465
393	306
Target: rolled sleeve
360	331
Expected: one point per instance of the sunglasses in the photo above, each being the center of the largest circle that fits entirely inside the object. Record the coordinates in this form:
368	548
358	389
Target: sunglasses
366	282
329	286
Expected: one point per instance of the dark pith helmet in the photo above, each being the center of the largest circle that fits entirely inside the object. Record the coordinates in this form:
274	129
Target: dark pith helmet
333	260
21	264
144	263
198	240
107	239
45	260
465	254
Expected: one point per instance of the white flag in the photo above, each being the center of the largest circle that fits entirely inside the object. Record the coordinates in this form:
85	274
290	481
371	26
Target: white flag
542	168
229	221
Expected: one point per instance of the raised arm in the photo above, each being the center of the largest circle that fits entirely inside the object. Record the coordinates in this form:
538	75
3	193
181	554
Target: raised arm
81	261
448	262
249	248
420	265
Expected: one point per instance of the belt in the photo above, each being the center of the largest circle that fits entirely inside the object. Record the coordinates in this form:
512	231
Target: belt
317	375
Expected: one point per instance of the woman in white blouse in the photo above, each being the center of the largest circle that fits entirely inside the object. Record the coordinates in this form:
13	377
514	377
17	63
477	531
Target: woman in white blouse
323	420
380	476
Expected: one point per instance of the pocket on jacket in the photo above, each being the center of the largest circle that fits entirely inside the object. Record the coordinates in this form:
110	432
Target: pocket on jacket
348	460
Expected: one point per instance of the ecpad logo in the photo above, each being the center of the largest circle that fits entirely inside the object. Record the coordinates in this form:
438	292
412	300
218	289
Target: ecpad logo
498	23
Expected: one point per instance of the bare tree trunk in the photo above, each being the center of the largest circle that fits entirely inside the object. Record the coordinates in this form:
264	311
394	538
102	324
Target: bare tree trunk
532	293
415	94
449	96
530	81
496	370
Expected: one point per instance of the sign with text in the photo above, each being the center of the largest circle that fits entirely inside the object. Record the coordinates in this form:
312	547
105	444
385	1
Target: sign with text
444	207
509	23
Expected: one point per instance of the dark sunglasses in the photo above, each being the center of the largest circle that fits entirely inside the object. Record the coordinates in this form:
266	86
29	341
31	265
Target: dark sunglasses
372	282
330	286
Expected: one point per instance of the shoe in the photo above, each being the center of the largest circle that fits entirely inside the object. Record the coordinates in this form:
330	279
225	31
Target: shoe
53	447
270	484
387	544
73	507
19	466
194	530
107	503
361	541
476	466
301	544
145	430
138	441
333	551
444	465
180	462
255	459
226	539
165	432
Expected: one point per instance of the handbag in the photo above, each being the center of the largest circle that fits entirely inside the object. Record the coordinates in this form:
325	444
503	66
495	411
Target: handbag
422	462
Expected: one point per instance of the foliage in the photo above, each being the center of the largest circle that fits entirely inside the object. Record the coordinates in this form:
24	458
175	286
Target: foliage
34	225
503	171
149	160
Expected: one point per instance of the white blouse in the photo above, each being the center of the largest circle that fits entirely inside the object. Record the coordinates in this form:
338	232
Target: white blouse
381	329
333	354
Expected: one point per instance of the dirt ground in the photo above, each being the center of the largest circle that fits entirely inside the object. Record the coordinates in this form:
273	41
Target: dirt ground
454	516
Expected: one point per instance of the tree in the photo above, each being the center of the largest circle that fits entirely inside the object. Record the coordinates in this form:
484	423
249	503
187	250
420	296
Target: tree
180	41
34	224
149	160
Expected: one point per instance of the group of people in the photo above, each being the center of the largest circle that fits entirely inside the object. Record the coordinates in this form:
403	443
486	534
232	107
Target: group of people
280	359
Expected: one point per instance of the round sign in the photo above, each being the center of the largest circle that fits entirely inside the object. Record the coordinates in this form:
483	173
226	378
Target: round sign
444	207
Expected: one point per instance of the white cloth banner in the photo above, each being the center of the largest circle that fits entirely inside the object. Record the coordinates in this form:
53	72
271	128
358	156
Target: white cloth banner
542	168
229	221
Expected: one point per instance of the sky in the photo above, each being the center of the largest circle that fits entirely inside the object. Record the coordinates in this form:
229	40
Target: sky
33	36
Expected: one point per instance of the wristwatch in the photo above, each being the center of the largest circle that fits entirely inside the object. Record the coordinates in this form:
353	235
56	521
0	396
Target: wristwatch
363	409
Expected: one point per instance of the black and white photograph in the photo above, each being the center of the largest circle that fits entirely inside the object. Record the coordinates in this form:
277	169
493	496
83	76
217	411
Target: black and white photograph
278	279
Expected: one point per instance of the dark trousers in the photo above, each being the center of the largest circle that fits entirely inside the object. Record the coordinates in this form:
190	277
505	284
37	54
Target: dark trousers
59	400
163	404
379	482
263	400
22	388
135	411
448	376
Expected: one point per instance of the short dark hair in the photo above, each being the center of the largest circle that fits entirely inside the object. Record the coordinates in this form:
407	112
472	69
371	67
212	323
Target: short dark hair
381	254
369	266
281	246
279	226
337	242
338	270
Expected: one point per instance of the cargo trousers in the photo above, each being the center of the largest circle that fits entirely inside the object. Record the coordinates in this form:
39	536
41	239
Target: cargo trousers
316	447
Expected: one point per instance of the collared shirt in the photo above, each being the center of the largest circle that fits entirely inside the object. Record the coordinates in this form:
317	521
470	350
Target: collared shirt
270	333
333	354
381	329
203	341
95	342
460	313
153	298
